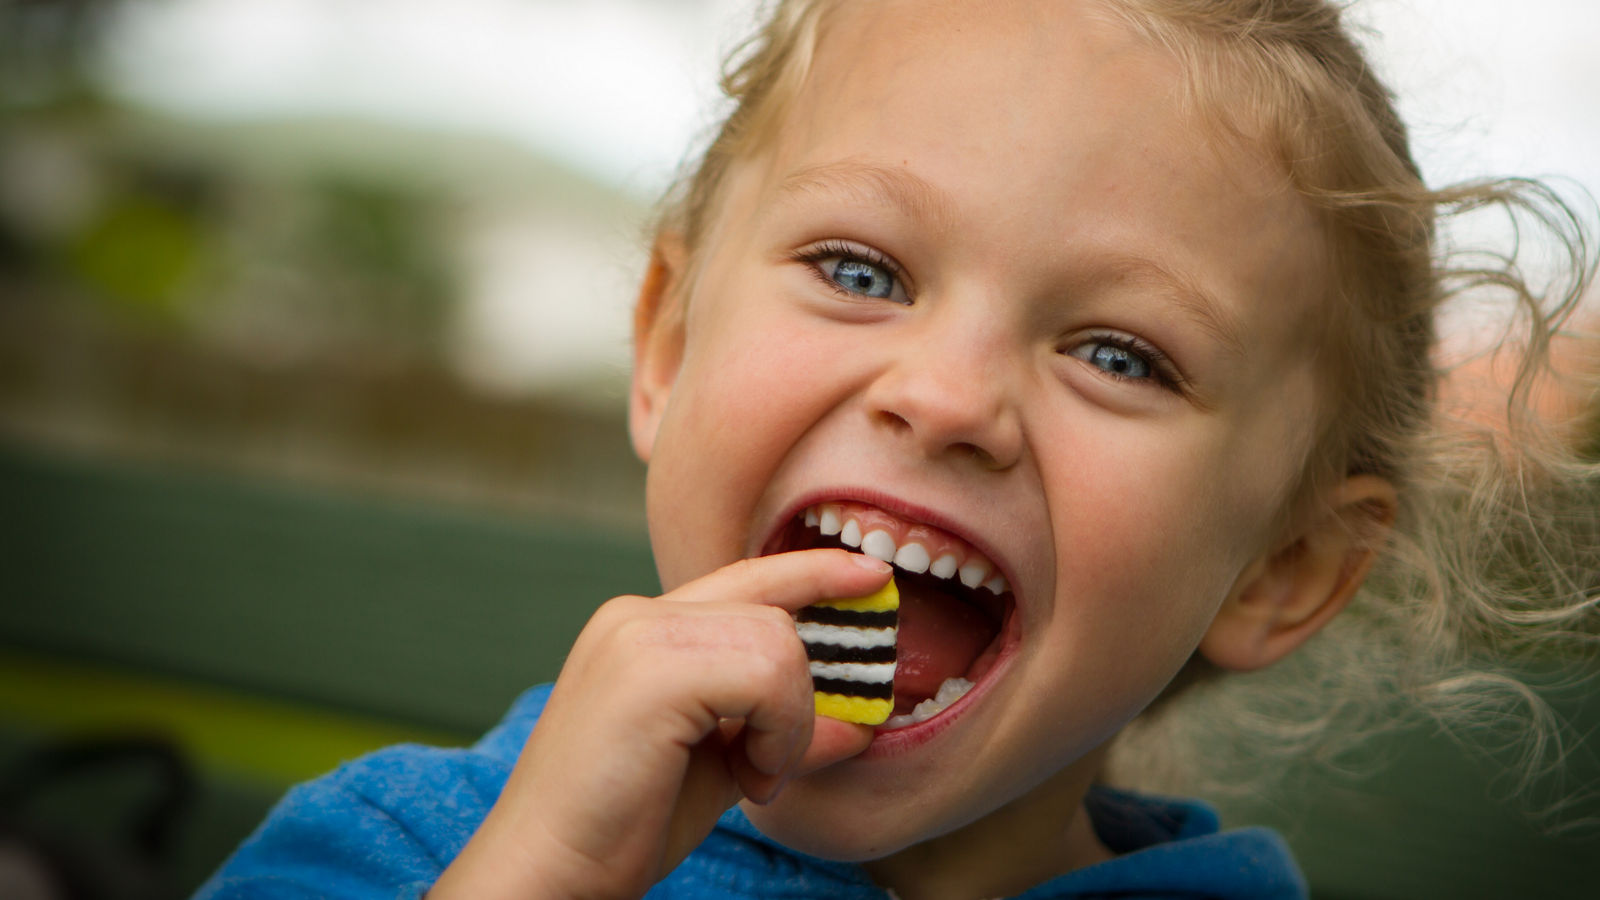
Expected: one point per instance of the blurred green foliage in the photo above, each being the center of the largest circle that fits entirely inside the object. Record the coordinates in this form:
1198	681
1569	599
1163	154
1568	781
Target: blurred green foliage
321	263
138	253
45	47
372	247
116	212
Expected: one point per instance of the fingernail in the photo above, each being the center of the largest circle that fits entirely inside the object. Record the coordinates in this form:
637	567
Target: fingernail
870	563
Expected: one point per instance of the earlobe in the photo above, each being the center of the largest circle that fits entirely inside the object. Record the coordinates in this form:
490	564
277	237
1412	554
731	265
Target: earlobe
1290	593
658	334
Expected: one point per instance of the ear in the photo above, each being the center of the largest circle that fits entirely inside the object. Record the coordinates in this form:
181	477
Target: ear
657	340
1289	594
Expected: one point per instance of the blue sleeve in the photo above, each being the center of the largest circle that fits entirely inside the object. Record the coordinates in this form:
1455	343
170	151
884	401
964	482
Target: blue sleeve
383	826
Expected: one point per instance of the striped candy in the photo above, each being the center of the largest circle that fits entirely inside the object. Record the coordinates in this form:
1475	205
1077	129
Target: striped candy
851	645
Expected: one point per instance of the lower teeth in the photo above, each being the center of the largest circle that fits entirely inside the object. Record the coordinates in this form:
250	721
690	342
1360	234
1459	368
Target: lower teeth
950	691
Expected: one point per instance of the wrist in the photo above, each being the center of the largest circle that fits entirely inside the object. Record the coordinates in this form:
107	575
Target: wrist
522	863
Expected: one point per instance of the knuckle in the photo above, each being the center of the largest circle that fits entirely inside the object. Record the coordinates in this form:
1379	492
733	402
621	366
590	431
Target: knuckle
780	636
777	656
766	673
637	632
768	628
776	618
614	610
617	620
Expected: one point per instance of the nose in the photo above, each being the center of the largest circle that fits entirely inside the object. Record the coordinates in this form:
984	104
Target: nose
948	390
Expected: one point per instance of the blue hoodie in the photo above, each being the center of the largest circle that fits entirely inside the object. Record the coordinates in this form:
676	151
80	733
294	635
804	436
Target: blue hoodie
387	825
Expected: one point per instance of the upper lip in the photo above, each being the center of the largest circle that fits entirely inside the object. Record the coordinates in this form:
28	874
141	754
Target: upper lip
901	509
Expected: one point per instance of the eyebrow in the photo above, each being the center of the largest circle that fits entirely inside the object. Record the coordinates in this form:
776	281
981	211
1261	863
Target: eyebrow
871	183
1201	305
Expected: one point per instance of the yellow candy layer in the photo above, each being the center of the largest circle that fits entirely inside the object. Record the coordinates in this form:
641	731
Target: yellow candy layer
853	709
884	599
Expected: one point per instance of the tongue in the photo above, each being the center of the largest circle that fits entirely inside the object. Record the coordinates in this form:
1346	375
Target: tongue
939	638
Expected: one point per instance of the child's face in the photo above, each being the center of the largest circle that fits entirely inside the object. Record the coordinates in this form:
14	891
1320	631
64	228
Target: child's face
1091	367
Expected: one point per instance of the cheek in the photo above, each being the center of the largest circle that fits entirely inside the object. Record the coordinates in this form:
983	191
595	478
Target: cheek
1152	537
742	399
758	382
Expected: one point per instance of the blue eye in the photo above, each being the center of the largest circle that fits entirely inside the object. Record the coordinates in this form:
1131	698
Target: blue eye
861	277
1118	358
855	270
1120	361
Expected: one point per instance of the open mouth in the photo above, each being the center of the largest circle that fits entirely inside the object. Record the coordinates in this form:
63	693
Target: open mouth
955	605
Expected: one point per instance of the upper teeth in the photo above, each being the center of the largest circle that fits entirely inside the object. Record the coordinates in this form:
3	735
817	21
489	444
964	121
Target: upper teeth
911	556
851	534
879	544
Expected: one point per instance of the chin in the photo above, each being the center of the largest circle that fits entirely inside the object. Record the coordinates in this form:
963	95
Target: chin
840	834
854	817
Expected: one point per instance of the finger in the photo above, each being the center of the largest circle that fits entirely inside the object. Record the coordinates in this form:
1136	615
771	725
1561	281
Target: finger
774	752
764	752
706	793
756	786
788	580
778	727
832	741
753	783
739	677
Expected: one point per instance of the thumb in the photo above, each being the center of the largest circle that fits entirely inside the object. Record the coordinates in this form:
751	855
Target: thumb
833	741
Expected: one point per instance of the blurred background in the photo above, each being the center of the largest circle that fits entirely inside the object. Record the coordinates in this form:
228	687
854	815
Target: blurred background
313	354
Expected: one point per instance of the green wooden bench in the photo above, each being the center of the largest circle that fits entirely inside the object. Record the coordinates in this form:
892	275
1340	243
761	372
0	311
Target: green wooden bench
273	631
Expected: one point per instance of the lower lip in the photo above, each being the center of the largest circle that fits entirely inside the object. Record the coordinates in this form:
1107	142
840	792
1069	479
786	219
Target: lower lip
900	741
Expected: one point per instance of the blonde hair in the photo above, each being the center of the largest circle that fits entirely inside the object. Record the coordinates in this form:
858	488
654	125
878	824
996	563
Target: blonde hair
762	76
1494	560
1496	547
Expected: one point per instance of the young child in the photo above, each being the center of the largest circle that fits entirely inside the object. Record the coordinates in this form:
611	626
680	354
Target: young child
1109	323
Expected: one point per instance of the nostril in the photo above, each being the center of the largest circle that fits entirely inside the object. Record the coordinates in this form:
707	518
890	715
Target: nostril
901	425
944	420
981	456
894	420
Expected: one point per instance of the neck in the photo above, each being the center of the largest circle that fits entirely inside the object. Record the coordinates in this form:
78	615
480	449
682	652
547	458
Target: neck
1036	837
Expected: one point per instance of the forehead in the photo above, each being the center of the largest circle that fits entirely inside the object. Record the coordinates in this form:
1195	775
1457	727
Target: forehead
1043	133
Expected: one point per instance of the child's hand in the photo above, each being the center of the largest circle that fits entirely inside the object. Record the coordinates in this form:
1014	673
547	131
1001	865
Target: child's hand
667	711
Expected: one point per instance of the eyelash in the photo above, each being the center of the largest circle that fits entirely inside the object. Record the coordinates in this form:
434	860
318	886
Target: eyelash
1163	373
835	249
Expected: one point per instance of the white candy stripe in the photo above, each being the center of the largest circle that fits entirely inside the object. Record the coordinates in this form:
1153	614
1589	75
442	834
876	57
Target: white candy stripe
845	635
874	673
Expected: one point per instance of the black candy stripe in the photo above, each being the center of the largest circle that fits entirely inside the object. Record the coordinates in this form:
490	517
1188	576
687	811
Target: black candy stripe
836	653
883	690
828	615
